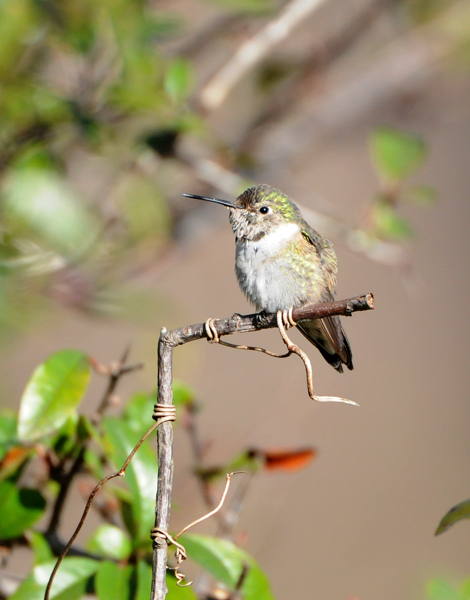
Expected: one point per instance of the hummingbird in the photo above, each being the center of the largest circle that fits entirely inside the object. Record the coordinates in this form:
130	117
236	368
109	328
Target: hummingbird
282	262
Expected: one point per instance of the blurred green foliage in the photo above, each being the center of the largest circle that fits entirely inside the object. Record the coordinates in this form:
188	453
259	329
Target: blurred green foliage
82	86
71	583
439	589
396	156
91	114
225	562
73	445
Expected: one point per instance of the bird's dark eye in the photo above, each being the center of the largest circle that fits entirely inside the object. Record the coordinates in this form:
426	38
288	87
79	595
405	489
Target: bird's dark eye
264	209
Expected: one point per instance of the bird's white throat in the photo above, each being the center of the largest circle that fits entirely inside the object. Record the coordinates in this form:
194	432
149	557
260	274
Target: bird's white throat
273	241
258	274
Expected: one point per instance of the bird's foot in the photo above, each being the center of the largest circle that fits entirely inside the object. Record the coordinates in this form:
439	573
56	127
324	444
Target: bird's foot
284	321
287	318
213	338
261	318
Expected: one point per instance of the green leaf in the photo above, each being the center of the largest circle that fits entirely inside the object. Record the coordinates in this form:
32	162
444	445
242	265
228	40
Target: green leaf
18	21
112	582
438	589
245	461
455	514
70	580
110	541
388	223
420	194
465	590
54	391
225	562
86	430
141	581
65	440
138	412
144	580
178	79
8	437
143	209
40	547
38	202
94	464
178	592
141	474
396	154
249	7
182	393
19	509
257	585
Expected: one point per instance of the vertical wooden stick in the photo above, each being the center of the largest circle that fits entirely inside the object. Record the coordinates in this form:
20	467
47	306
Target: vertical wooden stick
165	468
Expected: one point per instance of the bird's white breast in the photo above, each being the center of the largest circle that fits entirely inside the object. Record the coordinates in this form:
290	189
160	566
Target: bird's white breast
257	272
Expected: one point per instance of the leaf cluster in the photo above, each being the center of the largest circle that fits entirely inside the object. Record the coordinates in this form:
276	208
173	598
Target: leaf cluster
50	435
396	156
87	101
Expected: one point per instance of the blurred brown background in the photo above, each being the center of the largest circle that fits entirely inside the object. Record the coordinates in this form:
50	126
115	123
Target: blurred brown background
359	521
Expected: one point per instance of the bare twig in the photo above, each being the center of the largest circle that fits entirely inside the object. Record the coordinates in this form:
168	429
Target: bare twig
65	480
232	513
404	65
213	511
189	423
316	62
255	50
114	372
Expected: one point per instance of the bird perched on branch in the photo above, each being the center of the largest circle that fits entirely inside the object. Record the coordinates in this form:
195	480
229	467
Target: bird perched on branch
282	262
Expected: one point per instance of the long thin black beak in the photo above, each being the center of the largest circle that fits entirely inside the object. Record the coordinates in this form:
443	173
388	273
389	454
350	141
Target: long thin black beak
216	200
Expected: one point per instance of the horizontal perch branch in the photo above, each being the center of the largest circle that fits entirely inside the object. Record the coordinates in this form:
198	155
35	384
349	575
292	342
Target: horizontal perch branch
170	340
257	321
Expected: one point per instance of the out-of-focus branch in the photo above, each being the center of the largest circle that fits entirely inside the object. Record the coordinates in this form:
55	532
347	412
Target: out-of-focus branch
316	62
193	45
197	451
255	50
404	65
33	133
115	372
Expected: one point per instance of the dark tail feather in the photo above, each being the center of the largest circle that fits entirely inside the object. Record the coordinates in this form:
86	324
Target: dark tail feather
330	339
347	348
